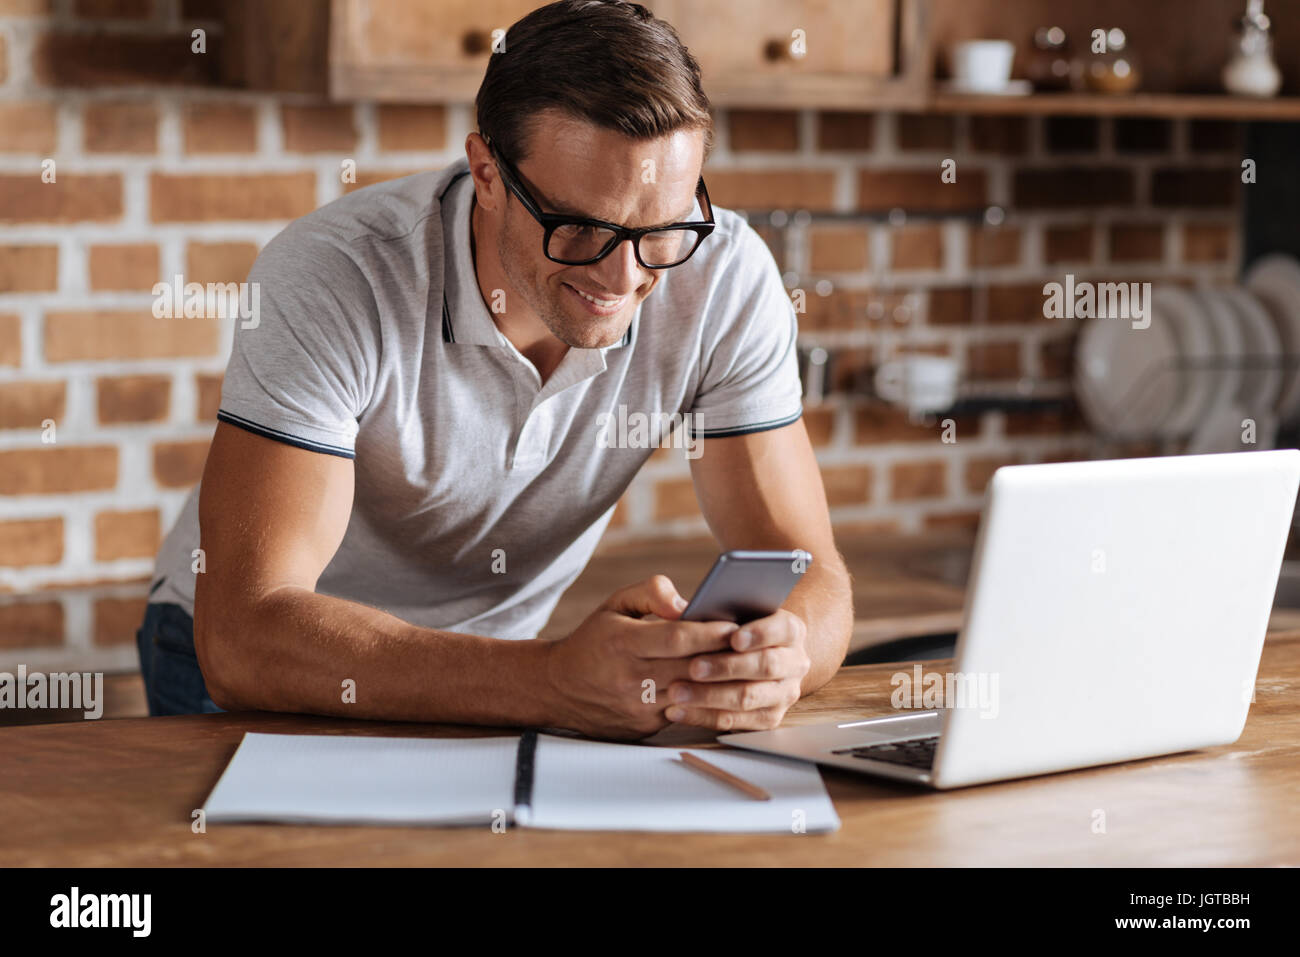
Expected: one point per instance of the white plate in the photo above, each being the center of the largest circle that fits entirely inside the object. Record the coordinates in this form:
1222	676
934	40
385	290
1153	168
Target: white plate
1275	281
1178	308
1229	346
1260	384
1115	377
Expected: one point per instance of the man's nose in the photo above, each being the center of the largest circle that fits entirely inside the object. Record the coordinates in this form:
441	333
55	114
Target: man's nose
619	272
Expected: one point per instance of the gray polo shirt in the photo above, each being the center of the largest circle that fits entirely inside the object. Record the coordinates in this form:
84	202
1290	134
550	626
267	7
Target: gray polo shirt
480	493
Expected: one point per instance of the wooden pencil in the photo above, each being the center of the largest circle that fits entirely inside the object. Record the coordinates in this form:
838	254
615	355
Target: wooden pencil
753	790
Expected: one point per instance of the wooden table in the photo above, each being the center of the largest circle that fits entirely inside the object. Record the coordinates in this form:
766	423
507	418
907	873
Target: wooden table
121	793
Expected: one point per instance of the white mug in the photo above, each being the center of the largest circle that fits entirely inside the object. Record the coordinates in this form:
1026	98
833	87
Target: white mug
982	64
919	383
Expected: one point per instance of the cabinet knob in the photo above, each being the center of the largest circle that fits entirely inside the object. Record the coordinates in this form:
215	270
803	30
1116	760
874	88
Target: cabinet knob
475	42
776	50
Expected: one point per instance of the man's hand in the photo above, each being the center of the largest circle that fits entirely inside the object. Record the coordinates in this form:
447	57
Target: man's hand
611	675
751	687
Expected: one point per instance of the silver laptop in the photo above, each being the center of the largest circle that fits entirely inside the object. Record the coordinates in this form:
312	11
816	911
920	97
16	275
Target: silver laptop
1116	610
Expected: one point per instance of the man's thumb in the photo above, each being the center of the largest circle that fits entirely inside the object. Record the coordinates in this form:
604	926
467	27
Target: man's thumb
654	596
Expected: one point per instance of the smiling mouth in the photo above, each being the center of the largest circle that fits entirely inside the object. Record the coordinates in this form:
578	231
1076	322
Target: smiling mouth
595	303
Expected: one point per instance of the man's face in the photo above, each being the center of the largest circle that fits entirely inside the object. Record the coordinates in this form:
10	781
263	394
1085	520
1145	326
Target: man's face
575	168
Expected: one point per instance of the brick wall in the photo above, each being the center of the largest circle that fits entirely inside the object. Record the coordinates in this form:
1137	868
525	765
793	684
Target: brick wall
155	179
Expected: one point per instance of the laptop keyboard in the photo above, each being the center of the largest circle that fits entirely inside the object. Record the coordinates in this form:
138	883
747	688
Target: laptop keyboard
913	753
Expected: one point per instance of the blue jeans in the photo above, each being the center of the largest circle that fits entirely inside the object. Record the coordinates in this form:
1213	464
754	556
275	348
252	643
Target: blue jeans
173	683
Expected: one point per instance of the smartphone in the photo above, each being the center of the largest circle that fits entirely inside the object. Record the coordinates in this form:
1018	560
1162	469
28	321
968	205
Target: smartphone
745	585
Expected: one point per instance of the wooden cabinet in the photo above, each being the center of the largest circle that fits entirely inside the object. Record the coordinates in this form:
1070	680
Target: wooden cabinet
827	53
849	53
415	50
786	38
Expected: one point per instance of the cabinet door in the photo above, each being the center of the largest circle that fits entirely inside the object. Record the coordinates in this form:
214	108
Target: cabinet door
828	53
431	50
790	52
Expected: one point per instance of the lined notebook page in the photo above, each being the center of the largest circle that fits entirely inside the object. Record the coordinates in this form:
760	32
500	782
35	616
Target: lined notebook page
593	785
335	779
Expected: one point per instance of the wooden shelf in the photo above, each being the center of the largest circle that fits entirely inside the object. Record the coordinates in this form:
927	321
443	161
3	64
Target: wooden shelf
1167	105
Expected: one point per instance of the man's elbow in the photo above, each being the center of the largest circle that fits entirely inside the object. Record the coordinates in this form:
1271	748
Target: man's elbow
214	648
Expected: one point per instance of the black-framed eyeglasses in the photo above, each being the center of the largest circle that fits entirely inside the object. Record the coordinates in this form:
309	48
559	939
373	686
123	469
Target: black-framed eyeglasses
575	241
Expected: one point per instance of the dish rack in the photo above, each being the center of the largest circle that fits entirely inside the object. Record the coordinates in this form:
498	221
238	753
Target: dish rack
1181	366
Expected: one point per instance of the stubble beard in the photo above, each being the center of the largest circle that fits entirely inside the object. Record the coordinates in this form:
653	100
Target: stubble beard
576	332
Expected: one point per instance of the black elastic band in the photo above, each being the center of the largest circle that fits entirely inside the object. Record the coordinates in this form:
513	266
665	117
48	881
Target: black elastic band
524	767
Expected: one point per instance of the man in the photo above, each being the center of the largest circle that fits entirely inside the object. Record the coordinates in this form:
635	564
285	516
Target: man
409	468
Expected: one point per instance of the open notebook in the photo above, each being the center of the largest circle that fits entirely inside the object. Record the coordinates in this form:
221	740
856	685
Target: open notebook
533	780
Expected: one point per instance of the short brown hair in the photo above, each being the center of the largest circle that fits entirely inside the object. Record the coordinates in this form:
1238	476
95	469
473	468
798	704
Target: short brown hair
611	63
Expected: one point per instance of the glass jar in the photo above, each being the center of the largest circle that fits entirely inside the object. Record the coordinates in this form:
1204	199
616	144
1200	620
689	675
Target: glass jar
1115	70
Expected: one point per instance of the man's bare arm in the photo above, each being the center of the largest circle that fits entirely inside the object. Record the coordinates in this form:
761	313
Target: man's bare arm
272	517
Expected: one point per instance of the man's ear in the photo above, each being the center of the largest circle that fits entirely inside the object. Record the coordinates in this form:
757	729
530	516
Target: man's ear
489	191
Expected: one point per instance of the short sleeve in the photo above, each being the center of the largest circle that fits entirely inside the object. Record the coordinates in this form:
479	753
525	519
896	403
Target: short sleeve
302	365
750	378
